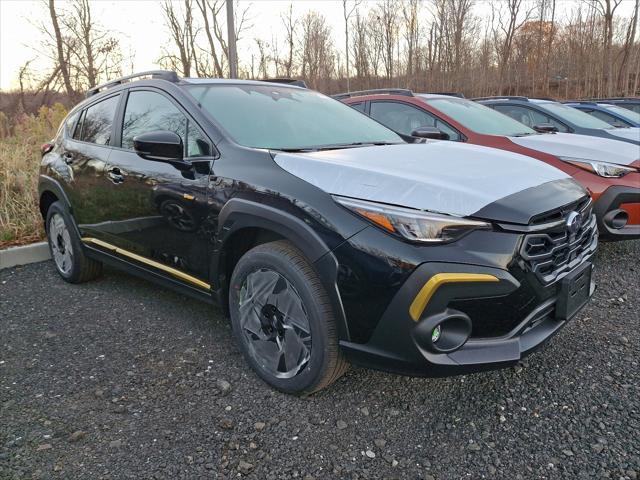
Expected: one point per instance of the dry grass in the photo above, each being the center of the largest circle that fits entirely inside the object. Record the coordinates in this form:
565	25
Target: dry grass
20	220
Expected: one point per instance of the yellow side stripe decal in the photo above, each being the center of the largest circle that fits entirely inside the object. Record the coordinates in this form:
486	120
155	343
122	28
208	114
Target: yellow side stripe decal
429	289
138	258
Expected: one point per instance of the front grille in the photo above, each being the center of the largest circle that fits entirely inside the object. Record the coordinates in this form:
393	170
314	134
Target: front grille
553	252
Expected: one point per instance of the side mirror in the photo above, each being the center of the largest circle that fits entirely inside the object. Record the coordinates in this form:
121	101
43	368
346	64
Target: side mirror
545	128
161	146
430	132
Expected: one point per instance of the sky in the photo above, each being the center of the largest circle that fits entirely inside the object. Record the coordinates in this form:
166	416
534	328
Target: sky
139	26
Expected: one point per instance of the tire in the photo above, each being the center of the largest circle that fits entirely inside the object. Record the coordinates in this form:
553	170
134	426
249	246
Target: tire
71	263
294	348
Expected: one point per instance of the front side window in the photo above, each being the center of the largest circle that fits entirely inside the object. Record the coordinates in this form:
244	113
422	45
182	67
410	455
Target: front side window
529	117
148	111
279	117
624	113
97	124
405	119
606	117
358	106
575	116
479	118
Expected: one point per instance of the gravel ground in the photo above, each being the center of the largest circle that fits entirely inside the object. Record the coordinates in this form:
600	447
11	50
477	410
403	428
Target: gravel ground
119	378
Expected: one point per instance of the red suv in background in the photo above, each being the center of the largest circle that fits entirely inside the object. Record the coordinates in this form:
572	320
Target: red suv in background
609	169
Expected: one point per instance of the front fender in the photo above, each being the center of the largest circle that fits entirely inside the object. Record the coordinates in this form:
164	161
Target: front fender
238	214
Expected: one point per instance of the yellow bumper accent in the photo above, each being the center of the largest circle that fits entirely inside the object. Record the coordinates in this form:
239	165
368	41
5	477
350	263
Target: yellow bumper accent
427	291
138	258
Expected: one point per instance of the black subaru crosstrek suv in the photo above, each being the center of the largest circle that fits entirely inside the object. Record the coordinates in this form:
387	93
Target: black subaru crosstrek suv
325	237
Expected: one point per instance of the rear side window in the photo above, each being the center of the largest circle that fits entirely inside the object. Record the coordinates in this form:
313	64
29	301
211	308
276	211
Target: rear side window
150	111
97	124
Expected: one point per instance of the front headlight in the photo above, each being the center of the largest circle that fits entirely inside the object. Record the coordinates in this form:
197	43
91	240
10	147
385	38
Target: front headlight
413	225
603	169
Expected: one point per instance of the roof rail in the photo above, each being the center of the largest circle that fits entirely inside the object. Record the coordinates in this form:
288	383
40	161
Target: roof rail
549	99
160	74
286	81
378	91
449	94
583	102
502	97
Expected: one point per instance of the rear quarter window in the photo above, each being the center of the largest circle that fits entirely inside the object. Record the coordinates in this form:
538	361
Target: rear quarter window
71	123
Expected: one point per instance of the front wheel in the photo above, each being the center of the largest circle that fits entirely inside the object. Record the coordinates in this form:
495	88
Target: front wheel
283	320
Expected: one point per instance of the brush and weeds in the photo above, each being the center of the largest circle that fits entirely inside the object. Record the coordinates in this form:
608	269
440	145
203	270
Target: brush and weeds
20	220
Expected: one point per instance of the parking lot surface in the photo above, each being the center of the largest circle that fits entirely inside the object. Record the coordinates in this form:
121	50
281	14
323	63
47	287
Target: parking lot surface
119	378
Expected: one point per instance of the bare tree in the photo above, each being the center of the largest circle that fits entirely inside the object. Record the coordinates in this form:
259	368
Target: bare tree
347	12
290	25
507	25
182	37
63	65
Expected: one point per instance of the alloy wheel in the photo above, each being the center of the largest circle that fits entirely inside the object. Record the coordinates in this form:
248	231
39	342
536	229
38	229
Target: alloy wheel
60	241
274	323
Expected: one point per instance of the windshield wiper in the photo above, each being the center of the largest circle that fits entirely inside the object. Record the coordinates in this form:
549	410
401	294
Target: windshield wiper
336	146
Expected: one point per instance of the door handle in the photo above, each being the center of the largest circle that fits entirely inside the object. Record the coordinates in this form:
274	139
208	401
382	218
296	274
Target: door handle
115	175
68	158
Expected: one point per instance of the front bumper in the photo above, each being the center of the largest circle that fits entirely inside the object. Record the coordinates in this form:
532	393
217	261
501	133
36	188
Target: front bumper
613	200
398	343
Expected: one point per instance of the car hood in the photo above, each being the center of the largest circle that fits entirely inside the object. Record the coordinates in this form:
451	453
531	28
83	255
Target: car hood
631	133
438	176
581	146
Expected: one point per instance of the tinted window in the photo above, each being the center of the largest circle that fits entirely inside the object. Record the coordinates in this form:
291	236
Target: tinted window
405	119
197	144
529	117
575	116
477	117
610	119
624	113
150	111
358	106
98	121
280	117
631	106
147	112
70	124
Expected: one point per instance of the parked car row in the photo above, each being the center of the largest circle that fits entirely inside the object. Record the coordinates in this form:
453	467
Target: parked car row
602	158
330	237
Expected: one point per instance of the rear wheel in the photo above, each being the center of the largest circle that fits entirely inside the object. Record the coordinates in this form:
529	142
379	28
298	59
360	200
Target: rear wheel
66	249
283	320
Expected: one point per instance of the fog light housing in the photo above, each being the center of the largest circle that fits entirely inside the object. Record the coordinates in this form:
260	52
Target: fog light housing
443	332
435	334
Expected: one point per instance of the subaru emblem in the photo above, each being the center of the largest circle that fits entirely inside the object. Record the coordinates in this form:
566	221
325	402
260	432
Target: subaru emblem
573	223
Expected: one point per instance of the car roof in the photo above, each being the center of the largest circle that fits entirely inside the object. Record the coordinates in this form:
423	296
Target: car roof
235	81
437	95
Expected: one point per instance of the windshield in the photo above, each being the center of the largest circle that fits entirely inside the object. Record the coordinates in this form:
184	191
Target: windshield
479	118
575	116
624	113
283	118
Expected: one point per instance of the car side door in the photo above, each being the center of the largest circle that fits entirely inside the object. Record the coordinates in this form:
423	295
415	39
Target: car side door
404	119
160	214
86	148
